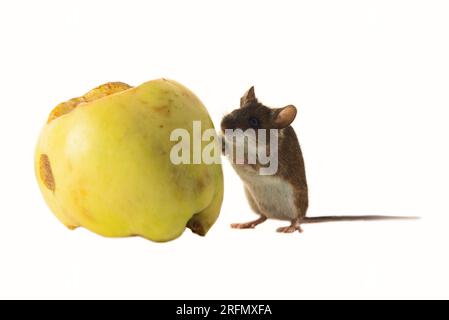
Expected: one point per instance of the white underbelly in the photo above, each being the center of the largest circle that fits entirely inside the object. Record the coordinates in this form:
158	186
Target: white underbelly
273	195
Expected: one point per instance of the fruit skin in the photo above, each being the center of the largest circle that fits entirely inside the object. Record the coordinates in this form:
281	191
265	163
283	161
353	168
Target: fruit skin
102	162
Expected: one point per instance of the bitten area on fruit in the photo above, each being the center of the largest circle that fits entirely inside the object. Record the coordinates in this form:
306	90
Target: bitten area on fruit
94	94
45	172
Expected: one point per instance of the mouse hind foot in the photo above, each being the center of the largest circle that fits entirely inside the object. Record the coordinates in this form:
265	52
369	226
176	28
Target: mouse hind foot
249	225
295	225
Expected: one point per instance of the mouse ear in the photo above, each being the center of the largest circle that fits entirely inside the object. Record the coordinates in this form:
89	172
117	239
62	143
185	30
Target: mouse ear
283	117
248	98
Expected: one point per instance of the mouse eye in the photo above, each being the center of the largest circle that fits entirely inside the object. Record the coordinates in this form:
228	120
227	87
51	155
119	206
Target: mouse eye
253	122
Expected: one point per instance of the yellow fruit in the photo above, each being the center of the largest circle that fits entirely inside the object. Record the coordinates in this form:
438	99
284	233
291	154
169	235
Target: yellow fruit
103	162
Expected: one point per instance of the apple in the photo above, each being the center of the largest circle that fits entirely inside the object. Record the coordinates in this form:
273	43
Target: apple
102	162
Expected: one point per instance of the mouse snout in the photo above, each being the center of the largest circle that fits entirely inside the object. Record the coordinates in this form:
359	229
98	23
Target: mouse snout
227	122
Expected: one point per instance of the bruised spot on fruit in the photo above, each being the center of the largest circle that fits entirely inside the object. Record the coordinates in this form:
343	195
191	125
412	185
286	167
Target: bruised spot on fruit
45	172
200	185
196	227
94	94
163	110
202	182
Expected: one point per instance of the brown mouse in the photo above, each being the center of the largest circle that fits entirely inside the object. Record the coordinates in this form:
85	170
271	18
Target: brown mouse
284	194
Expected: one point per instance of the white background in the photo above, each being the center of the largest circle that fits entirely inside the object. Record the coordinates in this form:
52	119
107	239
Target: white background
370	79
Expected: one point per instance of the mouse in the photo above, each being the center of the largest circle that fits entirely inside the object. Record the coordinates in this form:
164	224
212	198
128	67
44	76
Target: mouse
282	195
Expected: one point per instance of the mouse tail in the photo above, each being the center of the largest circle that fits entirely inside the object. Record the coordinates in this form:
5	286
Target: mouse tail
355	218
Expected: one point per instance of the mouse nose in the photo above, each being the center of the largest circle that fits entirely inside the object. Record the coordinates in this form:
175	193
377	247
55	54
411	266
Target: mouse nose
225	123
